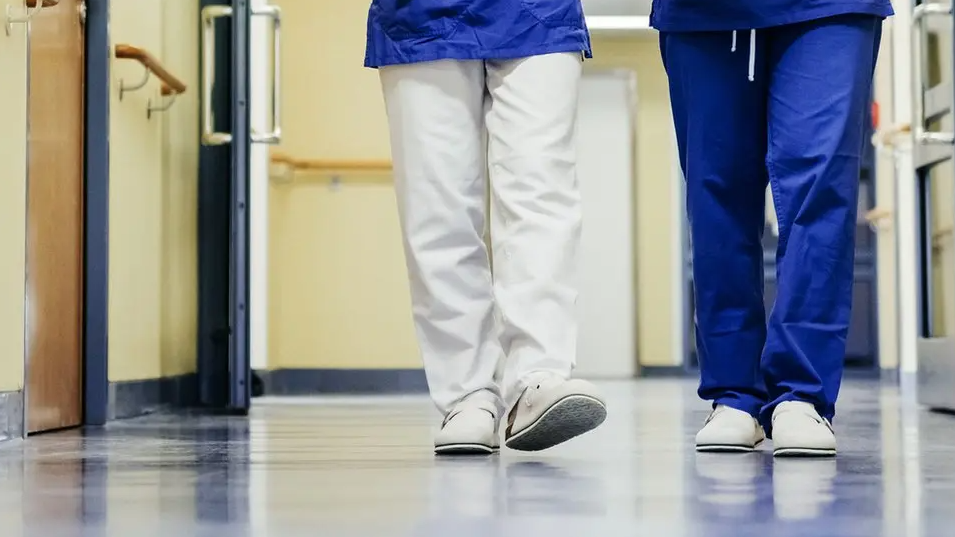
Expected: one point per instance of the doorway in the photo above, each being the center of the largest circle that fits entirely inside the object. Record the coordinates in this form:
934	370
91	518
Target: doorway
54	244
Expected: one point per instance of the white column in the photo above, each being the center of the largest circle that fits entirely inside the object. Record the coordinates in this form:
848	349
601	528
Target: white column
905	218
260	73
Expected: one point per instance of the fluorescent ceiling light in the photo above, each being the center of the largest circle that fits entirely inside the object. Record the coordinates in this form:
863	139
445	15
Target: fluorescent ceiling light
618	23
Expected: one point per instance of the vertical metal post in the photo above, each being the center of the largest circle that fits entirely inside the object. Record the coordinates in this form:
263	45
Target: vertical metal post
239	363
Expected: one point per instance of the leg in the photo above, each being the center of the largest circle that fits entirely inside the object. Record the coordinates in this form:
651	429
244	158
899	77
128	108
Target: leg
535	213
721	135
535	230
436	118
820	87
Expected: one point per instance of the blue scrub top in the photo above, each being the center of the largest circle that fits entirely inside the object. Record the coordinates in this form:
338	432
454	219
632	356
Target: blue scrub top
722	15
409	31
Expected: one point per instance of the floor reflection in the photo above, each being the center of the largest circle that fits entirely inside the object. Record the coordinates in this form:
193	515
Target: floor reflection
362	467
803	489
728	488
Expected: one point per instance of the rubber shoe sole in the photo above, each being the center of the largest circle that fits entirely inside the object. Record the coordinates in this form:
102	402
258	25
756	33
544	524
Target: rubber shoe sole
795	452
568	418
464	449
727	448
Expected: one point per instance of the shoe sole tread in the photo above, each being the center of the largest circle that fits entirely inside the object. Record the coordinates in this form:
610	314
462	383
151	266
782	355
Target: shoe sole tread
566	419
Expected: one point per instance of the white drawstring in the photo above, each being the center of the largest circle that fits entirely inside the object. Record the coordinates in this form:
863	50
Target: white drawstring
752	53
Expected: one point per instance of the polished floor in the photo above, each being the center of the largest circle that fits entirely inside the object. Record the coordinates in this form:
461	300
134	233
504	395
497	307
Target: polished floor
362	467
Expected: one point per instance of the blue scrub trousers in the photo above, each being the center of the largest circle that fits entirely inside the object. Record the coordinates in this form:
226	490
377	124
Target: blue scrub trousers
798	125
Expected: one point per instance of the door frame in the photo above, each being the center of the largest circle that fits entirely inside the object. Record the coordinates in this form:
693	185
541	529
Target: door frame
95	353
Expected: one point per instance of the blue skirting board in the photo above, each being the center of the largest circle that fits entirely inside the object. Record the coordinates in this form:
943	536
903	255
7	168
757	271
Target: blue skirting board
129	399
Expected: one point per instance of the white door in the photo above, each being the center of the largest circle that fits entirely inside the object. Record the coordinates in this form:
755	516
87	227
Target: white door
606	171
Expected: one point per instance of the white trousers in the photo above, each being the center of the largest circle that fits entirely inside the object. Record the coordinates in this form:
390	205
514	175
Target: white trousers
455	125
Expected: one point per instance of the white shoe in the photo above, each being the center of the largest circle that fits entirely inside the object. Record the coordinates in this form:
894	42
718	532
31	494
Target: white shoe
799	431
729	430
469	429
553	411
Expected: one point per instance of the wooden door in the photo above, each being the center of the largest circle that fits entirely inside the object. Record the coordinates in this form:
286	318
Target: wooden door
55	218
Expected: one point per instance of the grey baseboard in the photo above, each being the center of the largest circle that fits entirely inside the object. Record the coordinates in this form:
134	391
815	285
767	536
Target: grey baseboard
664	371
11	415
342	381
129	399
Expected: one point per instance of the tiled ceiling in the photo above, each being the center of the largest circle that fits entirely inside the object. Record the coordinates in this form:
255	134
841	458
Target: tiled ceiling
617	8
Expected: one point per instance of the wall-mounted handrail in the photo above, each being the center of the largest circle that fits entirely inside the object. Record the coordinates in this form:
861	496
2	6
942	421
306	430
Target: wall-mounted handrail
941	239
878	218
890	136
333	166
152	65
46	3
171	87
357	171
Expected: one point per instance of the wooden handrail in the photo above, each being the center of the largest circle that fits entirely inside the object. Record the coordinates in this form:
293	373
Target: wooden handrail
887	137
171	84
333	166
939	236
877	214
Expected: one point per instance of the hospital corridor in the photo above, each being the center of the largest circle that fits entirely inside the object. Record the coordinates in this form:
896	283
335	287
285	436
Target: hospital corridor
369	268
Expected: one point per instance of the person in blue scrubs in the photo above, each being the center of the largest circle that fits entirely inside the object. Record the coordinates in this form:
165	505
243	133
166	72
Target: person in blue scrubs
481	97
771	92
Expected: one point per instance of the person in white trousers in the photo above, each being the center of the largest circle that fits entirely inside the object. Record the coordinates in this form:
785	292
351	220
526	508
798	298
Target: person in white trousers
480	91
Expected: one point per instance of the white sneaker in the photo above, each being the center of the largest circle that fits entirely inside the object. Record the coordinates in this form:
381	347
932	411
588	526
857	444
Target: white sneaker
799	431
469	429
553	411
729	430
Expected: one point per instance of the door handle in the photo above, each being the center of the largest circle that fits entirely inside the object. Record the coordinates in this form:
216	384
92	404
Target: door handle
275	135
209	15
919	15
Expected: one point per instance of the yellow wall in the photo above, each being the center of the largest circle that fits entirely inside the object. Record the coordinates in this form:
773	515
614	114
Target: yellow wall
13	65
338	294
153	173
